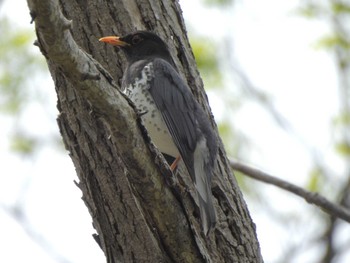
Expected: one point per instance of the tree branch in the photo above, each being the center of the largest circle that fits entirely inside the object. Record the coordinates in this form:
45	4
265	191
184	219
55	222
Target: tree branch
312	198
57	44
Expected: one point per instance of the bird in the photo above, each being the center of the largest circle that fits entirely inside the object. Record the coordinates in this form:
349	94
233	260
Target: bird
174	120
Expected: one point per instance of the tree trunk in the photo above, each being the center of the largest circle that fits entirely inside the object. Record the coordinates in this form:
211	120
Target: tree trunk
141	211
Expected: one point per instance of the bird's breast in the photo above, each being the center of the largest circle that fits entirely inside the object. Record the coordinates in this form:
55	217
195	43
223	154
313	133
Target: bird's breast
138	92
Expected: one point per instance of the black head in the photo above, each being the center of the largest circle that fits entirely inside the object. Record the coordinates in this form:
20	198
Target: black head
140	45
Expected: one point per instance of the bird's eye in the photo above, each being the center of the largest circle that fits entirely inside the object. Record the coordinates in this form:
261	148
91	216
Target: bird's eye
136	39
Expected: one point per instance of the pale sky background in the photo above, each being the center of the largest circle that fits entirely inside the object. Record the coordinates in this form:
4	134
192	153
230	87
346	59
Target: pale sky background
275	47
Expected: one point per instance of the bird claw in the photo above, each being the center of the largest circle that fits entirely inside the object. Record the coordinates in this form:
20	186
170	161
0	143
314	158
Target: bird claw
140	113
171	179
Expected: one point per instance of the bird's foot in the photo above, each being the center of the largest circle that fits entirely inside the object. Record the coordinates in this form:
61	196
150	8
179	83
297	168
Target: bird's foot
140	113
173	166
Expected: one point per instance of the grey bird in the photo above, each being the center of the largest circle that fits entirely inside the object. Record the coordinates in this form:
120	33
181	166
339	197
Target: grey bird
175	121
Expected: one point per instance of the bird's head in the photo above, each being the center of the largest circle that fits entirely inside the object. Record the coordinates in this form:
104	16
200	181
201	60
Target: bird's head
140	45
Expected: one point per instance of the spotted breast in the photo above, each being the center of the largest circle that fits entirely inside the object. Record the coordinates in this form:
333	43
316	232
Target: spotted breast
137	89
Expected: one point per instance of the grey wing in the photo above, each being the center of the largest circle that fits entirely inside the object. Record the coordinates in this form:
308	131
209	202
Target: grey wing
177	106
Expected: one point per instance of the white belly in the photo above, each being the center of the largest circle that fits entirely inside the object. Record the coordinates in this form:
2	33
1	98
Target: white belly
159	133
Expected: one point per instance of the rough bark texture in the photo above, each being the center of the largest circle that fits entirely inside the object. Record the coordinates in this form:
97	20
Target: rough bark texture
141	212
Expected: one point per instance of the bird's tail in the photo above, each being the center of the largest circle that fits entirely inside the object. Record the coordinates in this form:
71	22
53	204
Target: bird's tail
202	176
207	212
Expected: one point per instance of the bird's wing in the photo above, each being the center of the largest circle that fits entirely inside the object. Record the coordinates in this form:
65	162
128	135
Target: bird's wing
177	106
180	111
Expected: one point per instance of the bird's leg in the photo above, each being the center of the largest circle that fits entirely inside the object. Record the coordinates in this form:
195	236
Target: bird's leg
174	164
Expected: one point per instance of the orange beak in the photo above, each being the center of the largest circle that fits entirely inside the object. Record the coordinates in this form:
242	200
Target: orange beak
113	40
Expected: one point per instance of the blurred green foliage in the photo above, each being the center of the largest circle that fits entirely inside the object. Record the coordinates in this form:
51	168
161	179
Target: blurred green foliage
333	41
204	51
19	65
343	148
337	42
313	9
23	144
219	3
315	179
340	7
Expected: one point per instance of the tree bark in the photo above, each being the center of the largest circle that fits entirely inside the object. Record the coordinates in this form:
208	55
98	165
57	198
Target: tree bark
141	211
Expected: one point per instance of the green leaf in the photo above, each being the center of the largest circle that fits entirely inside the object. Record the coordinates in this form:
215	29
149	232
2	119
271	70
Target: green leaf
207	61
220	3
342	119
23	144
315	179
333	41
309	10
343	148
340	8
19	65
